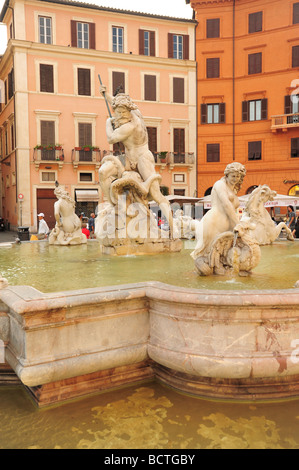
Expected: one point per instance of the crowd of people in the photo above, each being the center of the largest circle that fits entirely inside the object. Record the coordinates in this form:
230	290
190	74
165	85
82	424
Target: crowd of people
293	221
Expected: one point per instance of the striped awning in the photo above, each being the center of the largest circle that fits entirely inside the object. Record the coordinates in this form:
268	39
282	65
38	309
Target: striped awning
87	195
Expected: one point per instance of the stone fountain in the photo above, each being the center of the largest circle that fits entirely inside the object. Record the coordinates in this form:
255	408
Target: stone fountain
223	344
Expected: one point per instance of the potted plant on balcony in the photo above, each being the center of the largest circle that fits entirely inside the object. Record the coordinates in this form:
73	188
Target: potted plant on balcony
39	147
162	156
58	147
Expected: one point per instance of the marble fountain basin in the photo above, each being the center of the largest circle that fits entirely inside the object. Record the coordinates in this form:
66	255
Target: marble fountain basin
74	322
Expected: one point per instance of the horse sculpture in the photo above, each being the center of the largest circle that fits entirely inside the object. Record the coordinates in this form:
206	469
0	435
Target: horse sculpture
266	231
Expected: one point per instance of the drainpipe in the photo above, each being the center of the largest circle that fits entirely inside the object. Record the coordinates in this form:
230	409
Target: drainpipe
234	18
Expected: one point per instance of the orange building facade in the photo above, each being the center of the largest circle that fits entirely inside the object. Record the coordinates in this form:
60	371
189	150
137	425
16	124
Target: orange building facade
248	87
52	116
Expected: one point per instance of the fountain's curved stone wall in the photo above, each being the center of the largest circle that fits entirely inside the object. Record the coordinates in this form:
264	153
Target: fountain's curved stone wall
225	344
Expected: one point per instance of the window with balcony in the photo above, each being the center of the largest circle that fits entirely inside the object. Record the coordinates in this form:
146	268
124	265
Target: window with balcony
213	152
255	22
178	90
213	67
117	39
150	87
84	82
213	113
295	147
255	110
213	28
147	44
47	132
179	145
45	30
85	140
296	13
255	150
178	46
291	108
254	63
46	75
82	35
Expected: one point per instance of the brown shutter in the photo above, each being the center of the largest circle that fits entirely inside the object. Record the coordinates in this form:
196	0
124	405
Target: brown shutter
178	90
295	56
222	113
255	22
294	147
213	68
264	113
150	88
186	47
255	63
287	105
85	133
46	78
213	28
296	13
47	130
203	109
92	35
118	82
170	45
179	141
73	33
152	44
245	110
152	139
84	82
141	42
213	152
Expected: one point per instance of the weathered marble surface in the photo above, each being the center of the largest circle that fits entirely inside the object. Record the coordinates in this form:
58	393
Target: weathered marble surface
210	337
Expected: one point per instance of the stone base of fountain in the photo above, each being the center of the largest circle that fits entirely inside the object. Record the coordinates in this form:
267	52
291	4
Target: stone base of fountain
142	247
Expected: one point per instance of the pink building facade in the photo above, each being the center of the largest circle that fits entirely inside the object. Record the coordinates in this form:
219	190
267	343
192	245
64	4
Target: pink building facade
52	119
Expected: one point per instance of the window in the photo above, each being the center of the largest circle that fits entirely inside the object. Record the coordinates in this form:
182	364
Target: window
147	43
150	88
295	56
291	107
86	177
255	63
255	110
47	131
213	28
84	82
213	68
296	13
179	141
45	30
255	150
10	79
118	82
46	78
117	39
178	90
152	139
85	139
255	22
213	152
48	176
295	147
213	113
83	35
178	46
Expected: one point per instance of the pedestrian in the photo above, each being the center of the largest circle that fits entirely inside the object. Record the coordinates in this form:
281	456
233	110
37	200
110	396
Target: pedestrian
43	228
295	232
291	218
85	230
91	222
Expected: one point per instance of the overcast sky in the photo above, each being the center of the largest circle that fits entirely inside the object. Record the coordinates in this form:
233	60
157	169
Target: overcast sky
176	8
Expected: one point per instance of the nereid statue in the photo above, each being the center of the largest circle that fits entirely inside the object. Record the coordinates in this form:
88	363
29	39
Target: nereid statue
223	242
67	230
